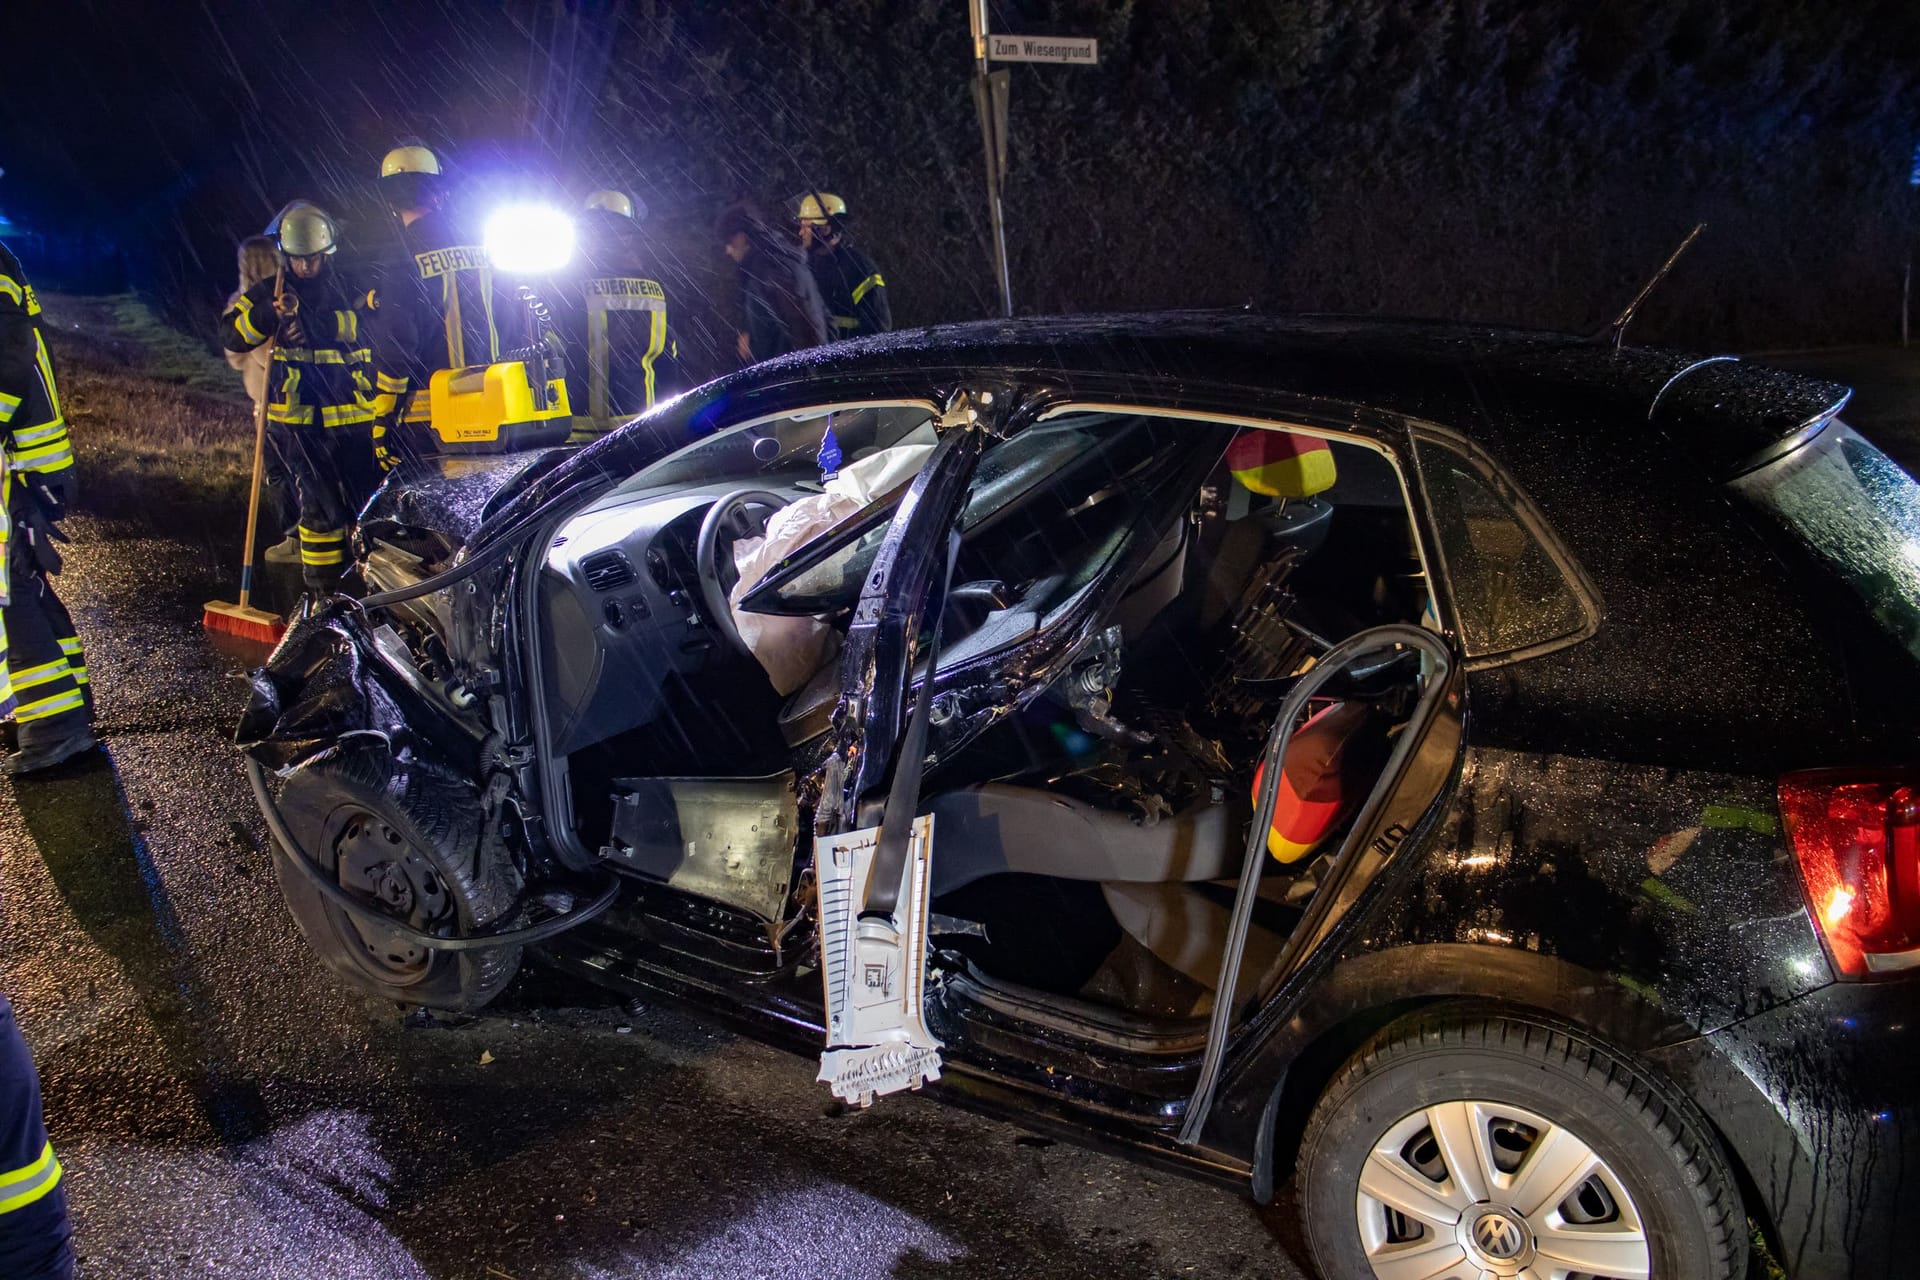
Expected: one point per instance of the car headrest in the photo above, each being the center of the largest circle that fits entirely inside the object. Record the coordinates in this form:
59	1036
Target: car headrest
1281	464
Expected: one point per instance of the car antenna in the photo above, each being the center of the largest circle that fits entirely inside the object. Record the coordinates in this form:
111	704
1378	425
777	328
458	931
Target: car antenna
1617	331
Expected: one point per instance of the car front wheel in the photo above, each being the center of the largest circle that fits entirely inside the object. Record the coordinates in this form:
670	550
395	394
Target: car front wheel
407	836
1464	1144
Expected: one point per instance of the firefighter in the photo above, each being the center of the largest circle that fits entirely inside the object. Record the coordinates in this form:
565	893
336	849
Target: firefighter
317	387
621	356
780	307
35	1232
44	681
436	304
850	282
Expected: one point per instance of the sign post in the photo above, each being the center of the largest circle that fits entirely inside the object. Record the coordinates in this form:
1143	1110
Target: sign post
990	91
992	107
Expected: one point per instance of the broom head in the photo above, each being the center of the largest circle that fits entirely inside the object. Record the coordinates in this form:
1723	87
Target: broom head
244	621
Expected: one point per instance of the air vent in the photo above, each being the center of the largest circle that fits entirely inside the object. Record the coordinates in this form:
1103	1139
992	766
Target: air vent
606	571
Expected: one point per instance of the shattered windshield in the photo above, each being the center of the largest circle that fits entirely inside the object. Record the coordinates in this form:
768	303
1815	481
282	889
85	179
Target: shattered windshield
1859	512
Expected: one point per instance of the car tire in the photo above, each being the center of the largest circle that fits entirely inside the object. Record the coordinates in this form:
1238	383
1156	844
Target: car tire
346	810
1513	1101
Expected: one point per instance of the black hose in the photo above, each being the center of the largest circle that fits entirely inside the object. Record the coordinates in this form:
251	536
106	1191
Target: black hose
291	853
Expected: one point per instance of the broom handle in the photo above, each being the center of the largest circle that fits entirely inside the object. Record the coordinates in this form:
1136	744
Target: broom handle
259	457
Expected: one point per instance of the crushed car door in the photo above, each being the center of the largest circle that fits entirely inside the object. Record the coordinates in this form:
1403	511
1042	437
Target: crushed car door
870	854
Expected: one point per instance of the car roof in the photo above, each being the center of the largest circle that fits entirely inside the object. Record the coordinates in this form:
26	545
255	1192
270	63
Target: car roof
1728	408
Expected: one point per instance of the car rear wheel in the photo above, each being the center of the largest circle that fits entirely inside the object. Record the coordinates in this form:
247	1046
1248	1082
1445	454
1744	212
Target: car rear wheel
1463	1144
407	836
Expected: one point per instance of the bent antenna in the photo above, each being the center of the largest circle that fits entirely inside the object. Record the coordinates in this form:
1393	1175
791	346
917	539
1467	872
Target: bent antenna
1618	329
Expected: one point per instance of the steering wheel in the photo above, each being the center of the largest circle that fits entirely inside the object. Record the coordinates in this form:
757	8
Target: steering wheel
727	515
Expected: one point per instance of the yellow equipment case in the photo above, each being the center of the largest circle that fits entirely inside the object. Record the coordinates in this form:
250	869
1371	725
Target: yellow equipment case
503	407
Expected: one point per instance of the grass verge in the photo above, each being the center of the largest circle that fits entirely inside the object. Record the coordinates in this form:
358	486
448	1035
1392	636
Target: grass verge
161	427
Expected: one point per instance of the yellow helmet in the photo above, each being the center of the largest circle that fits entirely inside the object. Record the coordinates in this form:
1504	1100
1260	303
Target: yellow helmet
612	201
411	158
816	207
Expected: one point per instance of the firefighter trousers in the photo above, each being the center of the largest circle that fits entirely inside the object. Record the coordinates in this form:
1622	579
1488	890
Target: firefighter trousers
35	1232
45	659
334	474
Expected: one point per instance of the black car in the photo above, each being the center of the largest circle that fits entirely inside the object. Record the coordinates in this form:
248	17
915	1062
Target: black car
1472	771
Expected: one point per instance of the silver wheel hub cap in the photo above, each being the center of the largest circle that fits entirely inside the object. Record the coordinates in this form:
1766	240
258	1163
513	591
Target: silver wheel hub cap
1487	1191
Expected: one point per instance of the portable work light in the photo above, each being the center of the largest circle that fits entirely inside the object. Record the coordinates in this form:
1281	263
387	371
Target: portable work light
529	239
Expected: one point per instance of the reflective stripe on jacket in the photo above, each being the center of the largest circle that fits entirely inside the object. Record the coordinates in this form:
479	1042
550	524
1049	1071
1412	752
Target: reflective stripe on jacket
324	383
35	1233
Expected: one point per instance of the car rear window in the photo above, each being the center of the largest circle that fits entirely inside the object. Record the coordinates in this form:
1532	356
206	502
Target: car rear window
1858	512
1508	590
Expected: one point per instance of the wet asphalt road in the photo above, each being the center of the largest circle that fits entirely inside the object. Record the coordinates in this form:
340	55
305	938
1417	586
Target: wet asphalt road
224	1109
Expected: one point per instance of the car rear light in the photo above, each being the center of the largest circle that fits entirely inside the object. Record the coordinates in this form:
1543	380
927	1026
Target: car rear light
1856	838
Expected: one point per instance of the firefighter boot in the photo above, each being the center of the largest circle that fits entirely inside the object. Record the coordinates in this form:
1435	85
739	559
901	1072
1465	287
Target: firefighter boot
44	745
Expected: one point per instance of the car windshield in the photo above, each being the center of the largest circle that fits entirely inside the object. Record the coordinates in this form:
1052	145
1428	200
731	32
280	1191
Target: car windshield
826	574
786	446
1859	512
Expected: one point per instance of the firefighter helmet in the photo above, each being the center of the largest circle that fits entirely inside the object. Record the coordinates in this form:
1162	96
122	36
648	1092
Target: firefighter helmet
818	207
613	202
409	158
303	229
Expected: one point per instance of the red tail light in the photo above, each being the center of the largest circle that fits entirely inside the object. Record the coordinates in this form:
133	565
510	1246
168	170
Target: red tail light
1856	838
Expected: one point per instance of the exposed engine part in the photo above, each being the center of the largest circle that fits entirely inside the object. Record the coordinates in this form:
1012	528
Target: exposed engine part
1088	687
390	568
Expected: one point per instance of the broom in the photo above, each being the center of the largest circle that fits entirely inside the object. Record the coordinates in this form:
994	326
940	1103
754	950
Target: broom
242	619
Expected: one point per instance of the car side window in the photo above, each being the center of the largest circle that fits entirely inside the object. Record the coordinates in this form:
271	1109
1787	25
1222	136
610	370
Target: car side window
1509	590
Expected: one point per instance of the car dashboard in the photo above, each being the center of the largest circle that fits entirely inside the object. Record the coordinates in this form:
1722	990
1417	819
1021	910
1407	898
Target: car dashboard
622	616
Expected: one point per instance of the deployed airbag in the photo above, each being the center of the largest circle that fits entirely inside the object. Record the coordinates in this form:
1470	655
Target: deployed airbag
792	649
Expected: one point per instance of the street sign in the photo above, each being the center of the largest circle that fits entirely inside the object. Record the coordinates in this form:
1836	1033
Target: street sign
1072	49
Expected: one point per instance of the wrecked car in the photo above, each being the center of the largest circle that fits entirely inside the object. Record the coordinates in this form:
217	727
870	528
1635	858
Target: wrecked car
1471	771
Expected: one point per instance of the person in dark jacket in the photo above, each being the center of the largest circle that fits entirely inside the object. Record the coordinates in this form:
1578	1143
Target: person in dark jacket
437	303
612	308
35	1232
780	306
850	281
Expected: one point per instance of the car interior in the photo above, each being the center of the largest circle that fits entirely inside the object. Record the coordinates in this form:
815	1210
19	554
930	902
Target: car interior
1139	589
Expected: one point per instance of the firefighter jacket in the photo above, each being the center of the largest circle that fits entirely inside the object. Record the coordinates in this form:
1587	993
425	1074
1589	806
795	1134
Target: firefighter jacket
319	372
437	303
853	289
780	303
34	446
35	431
612	311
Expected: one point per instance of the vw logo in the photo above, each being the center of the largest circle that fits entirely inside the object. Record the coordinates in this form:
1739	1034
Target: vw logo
1499	1237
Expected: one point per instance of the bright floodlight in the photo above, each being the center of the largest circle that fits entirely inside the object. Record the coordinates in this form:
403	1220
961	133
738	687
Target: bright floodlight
529	239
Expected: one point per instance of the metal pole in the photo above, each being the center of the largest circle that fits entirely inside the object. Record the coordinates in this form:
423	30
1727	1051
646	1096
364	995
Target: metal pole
1906	299
983	99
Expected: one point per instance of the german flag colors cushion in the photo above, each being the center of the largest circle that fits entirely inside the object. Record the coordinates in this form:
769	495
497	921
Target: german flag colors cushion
1281	464
1322	777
